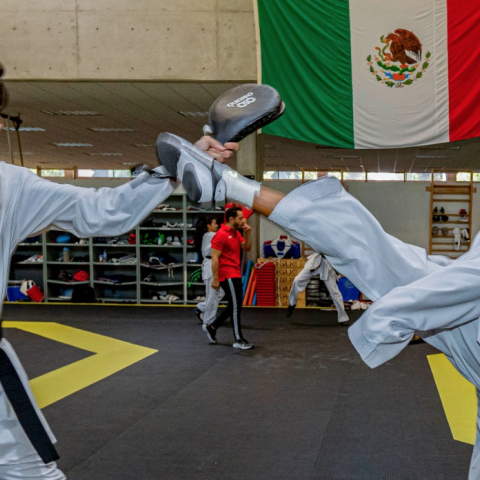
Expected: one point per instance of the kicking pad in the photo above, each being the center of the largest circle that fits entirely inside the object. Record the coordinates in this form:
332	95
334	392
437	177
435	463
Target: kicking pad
242	110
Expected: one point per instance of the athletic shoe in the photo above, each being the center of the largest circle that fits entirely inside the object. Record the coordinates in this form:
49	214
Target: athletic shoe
199	314
242	344
211	333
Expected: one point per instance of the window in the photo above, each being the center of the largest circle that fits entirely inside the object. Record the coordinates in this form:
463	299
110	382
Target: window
87	173
270	175
354	176
385	177
465	176
282	175
52	172
310	175
419	177
289	175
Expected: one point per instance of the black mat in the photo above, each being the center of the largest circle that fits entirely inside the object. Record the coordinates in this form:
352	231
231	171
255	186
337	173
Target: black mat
301	405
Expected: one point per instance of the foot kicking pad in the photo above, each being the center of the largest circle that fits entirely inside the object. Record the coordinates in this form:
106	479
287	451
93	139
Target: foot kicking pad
183	160
243	110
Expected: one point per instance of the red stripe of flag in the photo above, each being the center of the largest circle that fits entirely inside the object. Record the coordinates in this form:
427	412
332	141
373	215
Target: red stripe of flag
464	68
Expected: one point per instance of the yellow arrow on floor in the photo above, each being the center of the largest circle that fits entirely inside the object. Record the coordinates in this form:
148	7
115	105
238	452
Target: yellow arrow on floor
458	396
111	356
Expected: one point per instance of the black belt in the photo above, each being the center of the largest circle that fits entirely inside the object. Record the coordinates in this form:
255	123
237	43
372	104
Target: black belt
25	411
208	257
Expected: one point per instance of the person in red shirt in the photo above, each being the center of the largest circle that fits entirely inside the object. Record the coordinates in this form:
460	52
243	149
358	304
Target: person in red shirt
226	246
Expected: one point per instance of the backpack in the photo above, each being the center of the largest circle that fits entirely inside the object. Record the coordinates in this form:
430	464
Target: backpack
83	294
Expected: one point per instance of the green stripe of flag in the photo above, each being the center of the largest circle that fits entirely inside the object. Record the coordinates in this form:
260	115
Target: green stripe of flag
306	56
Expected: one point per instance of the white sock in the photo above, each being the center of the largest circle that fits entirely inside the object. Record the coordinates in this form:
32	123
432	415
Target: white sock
235	186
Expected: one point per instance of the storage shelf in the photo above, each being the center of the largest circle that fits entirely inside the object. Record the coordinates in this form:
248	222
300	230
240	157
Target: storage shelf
165	302
67	245
116	245
111	264
70	282
67	263
167	229
177	265
456	200
448	221
132	273
117	300
163	246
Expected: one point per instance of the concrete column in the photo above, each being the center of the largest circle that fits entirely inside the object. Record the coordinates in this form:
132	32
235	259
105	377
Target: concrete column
250	162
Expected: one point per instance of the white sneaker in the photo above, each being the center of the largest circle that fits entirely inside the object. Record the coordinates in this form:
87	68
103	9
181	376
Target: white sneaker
457	238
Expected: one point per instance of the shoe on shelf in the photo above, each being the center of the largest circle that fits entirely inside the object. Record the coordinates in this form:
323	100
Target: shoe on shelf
211	333
445	231
457	238
466	234
242	344
463	219
199	314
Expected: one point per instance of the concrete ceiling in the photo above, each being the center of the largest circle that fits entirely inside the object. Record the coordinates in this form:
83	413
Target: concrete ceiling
148	108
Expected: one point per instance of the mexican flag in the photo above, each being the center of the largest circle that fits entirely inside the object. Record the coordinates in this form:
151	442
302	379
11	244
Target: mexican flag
372	73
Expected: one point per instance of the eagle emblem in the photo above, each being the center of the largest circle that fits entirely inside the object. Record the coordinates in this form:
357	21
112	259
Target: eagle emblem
398	62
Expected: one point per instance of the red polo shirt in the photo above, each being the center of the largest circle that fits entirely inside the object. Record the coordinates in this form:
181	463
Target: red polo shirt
229	242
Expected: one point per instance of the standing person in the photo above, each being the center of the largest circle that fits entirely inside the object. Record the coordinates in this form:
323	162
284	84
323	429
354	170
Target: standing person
432	296
204	233
318	265
226	247
28	205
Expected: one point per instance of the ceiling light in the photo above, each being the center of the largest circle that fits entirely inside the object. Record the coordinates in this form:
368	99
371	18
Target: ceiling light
25	129
72	144
128	163
79	113
144	145
104	154
194	114
95	129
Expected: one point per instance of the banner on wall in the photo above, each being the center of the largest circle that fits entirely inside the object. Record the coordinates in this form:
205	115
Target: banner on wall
376	74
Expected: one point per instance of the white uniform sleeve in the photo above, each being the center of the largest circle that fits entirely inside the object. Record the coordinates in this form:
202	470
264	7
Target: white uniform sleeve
299	285
445	299
34	204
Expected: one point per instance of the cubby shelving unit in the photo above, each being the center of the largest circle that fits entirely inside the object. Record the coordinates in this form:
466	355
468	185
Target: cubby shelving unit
136	281
453	198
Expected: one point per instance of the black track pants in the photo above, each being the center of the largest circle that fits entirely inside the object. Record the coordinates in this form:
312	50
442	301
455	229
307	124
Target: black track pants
234	295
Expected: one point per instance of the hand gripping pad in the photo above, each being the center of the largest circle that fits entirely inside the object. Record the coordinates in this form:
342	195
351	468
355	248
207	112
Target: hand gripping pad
242	110
3	92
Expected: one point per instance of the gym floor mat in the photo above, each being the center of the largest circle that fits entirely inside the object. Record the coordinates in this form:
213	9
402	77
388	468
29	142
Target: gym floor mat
301	405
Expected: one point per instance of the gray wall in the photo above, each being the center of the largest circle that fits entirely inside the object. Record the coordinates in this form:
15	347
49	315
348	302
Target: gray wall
128	39
403	209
